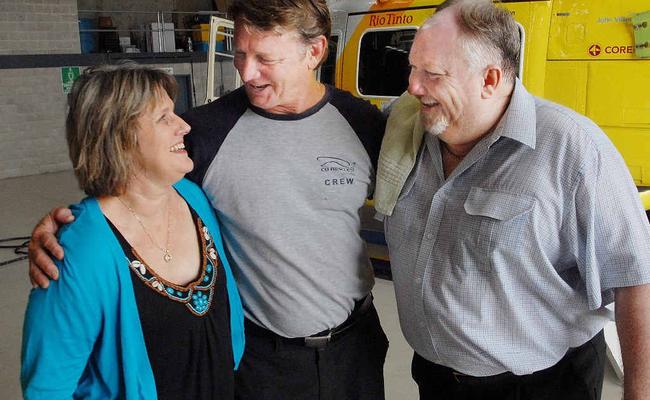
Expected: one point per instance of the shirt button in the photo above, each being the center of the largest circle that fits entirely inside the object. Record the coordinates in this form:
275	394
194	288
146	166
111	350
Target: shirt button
418	280
428	236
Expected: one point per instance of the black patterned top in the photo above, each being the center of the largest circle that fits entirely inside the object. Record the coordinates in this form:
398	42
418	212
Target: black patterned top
186	328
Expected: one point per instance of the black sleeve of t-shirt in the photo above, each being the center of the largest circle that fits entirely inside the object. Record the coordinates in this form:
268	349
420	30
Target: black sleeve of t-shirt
366	120
210	124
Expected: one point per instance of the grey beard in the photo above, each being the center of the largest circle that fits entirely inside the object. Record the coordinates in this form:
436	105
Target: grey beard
438	127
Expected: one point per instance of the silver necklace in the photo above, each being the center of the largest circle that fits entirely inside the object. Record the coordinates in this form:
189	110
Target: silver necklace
167	255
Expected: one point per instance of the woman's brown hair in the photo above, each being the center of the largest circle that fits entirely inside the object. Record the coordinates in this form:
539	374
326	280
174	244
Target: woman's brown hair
101	126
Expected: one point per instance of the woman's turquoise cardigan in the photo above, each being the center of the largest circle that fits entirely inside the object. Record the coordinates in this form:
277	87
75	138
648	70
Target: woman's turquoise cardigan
82	336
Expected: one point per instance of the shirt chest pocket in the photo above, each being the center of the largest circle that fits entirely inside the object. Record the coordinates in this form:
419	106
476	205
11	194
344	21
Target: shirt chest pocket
498	220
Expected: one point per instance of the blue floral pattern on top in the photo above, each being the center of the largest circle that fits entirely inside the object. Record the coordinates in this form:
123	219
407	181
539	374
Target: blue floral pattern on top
197	295
200	302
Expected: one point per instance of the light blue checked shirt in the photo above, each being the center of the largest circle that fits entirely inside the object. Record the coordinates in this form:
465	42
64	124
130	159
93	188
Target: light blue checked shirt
511	260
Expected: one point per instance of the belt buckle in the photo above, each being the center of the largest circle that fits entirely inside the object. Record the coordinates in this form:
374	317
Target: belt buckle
318	342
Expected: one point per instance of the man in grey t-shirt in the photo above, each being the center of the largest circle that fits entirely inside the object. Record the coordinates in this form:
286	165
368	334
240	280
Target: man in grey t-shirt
518	223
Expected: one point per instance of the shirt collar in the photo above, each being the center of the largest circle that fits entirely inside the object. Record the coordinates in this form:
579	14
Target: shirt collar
519	121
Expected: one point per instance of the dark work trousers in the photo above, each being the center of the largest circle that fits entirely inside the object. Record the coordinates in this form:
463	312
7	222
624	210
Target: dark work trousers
577	376
350	368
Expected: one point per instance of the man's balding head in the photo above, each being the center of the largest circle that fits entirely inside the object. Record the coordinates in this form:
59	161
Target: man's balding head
487	34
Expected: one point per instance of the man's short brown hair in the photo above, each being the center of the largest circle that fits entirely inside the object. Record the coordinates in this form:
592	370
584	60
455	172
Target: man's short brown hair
101	126
309	18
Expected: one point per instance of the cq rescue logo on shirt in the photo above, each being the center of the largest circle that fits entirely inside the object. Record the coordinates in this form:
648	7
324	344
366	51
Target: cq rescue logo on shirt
336	171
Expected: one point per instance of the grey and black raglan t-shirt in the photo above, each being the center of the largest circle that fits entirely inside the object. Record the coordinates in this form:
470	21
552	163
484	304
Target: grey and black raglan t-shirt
287	190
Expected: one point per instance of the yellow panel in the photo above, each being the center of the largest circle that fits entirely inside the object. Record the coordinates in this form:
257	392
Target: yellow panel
535	19
634	145
566	83
607	92
618	93
645	198
588	29
613	95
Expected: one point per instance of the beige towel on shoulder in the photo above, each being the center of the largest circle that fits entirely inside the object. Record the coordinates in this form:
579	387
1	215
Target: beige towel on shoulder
399	150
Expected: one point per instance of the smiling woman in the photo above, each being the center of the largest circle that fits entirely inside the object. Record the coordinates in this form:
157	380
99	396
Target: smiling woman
162	152
144	273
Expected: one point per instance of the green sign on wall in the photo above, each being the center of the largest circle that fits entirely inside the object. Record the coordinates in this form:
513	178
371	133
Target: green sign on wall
68	76
641	24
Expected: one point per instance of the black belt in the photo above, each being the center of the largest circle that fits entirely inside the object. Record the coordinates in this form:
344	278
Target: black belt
319	340
505	376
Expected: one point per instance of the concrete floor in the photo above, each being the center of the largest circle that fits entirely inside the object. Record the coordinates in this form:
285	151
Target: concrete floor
24	200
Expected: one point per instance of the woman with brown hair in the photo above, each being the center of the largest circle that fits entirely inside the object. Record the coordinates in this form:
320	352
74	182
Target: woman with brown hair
146	305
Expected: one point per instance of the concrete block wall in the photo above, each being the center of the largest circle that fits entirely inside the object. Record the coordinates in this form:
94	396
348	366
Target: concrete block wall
32	112
32	104
38	27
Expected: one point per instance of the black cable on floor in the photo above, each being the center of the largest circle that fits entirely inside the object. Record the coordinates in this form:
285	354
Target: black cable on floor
19	249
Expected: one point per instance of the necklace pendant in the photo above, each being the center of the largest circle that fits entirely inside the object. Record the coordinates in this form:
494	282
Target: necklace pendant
167	257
